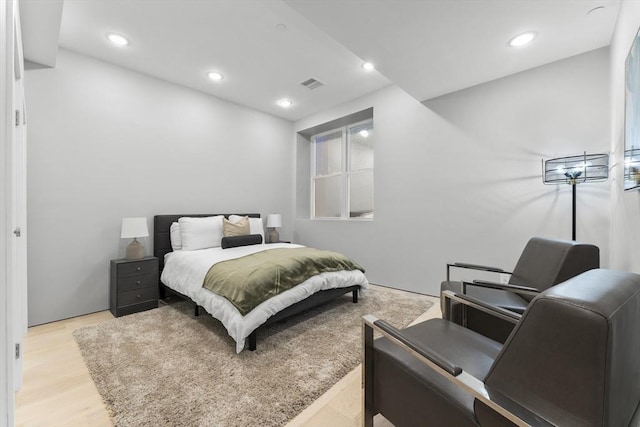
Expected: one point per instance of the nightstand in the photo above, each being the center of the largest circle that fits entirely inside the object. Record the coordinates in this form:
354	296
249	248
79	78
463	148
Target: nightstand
134	285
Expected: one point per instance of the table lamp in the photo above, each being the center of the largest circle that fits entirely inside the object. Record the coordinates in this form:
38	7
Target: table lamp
134	228
274	221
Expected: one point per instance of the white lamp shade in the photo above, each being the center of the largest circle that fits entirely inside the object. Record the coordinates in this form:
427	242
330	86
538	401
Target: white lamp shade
134	227
274	220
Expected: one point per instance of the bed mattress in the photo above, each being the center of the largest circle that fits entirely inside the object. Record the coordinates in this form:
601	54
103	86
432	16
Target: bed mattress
184	272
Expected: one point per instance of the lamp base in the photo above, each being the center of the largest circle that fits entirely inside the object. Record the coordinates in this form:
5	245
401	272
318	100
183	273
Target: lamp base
273	236
135	250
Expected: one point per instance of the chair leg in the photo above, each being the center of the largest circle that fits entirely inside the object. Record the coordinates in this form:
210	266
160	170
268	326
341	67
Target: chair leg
196	310
355	296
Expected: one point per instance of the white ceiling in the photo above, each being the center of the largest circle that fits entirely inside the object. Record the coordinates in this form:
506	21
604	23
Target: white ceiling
181	40
433	47
427	47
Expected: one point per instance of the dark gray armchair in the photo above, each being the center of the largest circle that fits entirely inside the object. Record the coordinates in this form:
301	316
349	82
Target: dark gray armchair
542	264
572	360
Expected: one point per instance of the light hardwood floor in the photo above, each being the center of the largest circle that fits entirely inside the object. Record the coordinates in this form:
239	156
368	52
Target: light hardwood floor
58	391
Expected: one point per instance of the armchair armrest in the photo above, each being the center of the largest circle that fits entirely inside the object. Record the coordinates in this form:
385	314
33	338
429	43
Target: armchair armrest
478	304
525	290
502	405
475	267
419	348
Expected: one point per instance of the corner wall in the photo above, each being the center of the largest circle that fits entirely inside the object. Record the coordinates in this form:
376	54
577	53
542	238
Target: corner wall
459	178
107	143
625	206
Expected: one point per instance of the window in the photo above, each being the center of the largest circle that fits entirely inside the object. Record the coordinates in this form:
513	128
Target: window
342	172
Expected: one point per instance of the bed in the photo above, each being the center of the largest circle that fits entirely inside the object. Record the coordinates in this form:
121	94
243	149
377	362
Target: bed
182	272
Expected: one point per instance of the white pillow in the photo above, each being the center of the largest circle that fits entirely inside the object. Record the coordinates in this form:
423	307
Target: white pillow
201	233
176	241
255	225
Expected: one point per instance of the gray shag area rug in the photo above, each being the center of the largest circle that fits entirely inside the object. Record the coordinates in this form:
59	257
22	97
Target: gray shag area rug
165	367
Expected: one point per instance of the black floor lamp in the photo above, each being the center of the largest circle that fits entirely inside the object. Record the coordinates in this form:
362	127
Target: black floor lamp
574	170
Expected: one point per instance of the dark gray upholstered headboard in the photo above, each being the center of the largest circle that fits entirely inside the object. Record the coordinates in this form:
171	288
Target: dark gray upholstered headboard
162	234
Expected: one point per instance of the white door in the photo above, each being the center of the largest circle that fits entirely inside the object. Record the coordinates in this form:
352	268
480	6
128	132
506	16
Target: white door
19	201
12	209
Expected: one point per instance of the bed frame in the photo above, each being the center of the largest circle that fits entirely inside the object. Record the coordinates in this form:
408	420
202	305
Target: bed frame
162	246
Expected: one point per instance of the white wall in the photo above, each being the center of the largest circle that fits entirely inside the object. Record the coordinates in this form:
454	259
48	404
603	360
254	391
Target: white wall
625	206
459	178
107	143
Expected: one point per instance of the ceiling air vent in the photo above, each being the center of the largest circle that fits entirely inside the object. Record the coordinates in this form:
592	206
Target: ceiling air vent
312	83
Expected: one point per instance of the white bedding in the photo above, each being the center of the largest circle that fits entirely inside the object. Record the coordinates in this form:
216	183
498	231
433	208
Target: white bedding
184	271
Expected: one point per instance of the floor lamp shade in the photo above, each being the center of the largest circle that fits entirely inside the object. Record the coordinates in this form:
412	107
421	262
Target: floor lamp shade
134	228
274	221
574	170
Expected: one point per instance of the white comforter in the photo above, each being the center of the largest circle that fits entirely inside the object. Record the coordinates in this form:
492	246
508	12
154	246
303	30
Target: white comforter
184	271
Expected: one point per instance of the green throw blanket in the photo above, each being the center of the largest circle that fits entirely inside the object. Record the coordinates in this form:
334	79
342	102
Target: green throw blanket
249	280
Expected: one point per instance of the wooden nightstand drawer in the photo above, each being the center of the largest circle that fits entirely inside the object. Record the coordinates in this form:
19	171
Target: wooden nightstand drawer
137	282
134	285
137	268
137	296
135	308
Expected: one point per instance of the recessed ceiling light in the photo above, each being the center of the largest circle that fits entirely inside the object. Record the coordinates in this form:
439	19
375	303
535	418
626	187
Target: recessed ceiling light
285	103
117	39
368	66
281	27
522	39
214	75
